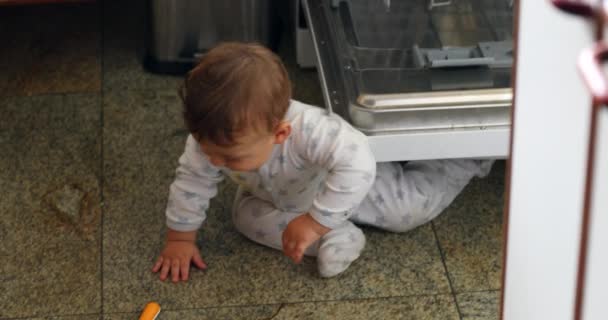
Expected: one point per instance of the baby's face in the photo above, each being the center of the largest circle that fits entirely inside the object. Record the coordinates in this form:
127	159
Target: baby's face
249	152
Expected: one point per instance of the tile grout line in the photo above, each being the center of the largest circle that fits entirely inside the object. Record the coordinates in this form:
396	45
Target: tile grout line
445	267
67	93
477	291
49	94
52	316
283	304
102	164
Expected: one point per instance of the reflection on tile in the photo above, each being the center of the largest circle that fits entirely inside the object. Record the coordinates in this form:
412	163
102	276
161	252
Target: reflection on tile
479	305
238	313
470	234
142	142
49	49
415	308
52	265
124	49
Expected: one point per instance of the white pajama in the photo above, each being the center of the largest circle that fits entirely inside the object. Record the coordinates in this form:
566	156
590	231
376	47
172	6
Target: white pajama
407	195
325	168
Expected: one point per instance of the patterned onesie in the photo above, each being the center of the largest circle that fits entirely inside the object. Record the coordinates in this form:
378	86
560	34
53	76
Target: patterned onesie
327	169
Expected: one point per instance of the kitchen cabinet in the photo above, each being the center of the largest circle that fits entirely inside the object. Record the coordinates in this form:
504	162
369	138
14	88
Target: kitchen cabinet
556	223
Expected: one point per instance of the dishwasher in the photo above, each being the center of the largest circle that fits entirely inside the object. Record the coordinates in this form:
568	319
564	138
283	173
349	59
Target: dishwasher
423	79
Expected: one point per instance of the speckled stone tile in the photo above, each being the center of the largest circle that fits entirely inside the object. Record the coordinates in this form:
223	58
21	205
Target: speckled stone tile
50	49
238	313
470	233
479	305
124	49
142	141
243	273
73	317
50	266
415	308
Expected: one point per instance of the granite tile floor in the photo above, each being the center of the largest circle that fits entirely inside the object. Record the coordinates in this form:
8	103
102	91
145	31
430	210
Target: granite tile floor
89	146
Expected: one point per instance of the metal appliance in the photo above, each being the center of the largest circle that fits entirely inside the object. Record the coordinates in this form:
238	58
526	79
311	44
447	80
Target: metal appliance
181	30
423	79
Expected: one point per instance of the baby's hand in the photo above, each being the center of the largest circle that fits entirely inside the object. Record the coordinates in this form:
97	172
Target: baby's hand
300	233
176	257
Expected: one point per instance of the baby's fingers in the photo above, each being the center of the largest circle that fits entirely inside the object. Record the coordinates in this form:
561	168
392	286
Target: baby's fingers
185	268
298	253
164	271
175	270
289	249
198	261
158	264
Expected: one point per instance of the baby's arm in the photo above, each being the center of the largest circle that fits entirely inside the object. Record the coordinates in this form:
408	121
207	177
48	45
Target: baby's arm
344	152
195	184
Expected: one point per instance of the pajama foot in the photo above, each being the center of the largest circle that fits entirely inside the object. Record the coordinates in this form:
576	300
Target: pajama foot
338	249
485	166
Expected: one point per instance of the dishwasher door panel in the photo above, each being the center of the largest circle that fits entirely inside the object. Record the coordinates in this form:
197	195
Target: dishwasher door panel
403	73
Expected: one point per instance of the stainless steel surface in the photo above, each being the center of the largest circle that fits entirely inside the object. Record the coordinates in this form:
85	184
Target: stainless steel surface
447	110
380	121
320	68
366	51
438	3
368	38
180	29
436	100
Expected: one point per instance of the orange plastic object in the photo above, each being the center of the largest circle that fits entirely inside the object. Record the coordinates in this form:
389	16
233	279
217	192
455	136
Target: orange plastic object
150	312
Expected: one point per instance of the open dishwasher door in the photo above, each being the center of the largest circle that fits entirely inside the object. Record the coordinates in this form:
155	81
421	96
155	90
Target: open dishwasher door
424	79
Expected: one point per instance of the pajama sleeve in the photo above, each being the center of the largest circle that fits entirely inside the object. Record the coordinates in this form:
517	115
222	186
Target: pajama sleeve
195	184
331	143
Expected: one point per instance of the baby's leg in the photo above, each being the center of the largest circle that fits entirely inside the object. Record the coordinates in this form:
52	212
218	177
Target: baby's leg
262	222
405	196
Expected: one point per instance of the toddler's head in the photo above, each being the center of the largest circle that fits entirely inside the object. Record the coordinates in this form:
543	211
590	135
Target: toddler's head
234	103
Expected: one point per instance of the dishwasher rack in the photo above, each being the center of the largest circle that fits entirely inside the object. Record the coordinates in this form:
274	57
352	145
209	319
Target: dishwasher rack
422	84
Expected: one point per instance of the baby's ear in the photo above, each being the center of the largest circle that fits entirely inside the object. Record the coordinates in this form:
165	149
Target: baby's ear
282	132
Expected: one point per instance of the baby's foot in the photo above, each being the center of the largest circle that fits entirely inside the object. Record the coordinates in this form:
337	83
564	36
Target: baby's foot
485	166
465	169
339	248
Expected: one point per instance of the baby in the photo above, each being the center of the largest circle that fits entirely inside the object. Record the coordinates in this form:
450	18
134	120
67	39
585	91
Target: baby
306	178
